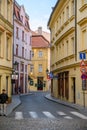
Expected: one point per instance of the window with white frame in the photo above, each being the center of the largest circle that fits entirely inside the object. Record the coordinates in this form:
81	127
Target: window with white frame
40	53
40	68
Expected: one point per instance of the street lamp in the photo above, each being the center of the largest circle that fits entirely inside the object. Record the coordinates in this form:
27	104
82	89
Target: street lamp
15	64
14	74
47	71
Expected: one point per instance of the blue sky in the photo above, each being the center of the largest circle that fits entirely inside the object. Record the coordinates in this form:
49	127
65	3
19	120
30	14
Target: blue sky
39	12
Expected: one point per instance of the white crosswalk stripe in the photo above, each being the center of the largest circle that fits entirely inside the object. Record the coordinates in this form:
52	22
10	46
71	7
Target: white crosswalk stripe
48	114
61	113
18	115
79	115
68	117
33	114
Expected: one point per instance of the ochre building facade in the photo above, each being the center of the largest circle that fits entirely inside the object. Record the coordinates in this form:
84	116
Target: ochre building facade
40	62
6	43
68	26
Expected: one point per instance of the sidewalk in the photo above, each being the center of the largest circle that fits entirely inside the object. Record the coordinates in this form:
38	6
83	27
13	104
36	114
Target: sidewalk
65	103
15	102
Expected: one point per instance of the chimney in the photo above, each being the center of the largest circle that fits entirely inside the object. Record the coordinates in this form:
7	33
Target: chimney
40	30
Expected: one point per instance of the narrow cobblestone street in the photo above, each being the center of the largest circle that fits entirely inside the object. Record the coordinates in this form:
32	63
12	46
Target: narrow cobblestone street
42	124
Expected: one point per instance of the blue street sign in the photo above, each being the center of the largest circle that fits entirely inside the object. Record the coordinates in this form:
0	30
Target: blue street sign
82	56
51	75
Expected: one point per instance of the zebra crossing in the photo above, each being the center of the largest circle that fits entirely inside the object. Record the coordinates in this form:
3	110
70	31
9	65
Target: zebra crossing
46	114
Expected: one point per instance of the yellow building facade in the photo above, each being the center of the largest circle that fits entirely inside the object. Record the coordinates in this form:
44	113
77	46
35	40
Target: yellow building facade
40	62
68	26
6	44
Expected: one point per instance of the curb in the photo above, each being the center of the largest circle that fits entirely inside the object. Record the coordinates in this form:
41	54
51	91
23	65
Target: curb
74	106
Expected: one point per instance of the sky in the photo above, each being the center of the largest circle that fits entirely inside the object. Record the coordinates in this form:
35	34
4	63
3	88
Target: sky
39	12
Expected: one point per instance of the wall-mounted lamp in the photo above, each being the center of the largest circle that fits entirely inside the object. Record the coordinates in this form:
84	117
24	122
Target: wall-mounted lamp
47	71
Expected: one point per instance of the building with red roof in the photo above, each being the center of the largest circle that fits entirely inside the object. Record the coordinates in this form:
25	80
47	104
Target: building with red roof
40	62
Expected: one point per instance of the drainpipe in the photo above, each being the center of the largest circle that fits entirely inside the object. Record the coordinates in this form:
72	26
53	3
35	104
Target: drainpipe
75	30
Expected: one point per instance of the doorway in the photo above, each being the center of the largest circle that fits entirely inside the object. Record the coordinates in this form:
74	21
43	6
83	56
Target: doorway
74	89
40	83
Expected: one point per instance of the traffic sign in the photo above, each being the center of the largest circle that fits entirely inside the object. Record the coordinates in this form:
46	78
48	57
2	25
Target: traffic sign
83	70
83	76
82	55
82	64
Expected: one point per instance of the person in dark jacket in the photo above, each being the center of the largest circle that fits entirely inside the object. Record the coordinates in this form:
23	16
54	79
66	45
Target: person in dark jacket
3	102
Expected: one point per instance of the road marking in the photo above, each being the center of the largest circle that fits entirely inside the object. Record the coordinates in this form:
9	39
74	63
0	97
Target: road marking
33	114
68	117
48	114
61	113
79	115
18	115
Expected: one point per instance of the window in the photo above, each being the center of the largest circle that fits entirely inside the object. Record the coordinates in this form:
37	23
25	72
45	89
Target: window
72	45
72	7
22	35
17	32
23	52
8	10
6	83
8	48
26	38
67	12
67	47
22	67
84	39
40	68
21	18
40	53
25	68
0	5
31	68
63	17
32	53
16	49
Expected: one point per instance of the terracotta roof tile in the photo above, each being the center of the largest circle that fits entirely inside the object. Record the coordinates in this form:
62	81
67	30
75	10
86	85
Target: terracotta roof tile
39	41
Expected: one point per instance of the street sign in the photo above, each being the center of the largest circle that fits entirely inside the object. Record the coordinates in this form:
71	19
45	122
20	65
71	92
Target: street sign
83	70
82	64
83	76
82	56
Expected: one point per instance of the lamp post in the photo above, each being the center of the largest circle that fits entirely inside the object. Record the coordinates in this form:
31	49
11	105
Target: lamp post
14	75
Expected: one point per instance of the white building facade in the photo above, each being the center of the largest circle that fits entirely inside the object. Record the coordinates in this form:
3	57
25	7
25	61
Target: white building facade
22	48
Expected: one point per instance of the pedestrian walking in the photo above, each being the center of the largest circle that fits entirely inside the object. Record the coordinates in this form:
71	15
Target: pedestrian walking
4	101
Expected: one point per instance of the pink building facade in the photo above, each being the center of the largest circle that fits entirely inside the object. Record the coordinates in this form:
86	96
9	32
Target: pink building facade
22	48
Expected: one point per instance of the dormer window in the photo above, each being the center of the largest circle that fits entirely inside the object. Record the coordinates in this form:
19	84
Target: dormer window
21	18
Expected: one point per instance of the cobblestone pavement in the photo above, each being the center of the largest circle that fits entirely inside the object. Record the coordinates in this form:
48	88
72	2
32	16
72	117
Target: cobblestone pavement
41	124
